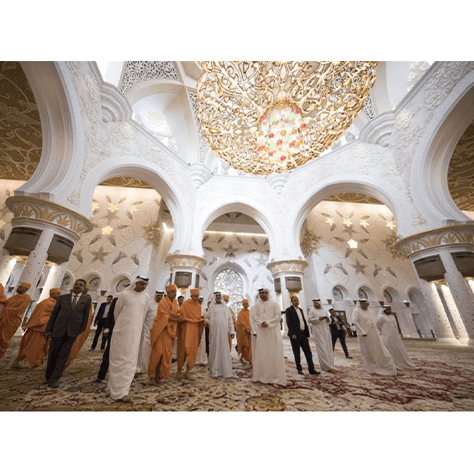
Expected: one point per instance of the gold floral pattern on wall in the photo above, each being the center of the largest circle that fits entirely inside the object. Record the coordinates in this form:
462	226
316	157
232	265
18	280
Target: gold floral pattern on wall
20	124
125	226
248	251
353	242
5	214
461	171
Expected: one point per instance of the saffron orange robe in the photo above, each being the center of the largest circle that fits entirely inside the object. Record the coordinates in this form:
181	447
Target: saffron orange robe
34	345
243	335
190	333
79	342
162	336
233	320
11	317
3	298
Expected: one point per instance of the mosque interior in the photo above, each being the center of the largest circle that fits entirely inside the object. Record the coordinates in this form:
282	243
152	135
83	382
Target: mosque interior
105	174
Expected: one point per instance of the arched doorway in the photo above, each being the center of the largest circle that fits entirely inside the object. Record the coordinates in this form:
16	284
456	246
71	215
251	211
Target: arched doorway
230	283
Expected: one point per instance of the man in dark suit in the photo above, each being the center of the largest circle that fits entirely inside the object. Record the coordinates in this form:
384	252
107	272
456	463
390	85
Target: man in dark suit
68	319
108	329
298	333
336	325
100	320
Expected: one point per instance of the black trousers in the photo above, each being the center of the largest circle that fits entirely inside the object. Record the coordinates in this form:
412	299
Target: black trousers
303	343
104	366
340	335
59	350
207	340
100	326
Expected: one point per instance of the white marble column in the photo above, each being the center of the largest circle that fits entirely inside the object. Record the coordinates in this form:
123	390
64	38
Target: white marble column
7	262
285	294
186	263
37	258
443	330
442	241
54	280
456	320
289	268
460	294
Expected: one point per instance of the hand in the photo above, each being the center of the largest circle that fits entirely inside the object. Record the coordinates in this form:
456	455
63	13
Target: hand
106	331
294	336
364	335
264	324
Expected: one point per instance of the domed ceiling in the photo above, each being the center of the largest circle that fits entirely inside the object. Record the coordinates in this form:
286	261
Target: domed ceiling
21	143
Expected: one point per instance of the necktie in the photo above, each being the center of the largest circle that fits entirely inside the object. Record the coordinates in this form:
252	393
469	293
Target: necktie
74	300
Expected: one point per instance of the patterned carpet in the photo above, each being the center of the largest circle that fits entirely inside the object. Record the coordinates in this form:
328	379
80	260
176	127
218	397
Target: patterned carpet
444	382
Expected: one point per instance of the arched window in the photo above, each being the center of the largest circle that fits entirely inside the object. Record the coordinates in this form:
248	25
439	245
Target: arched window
387	296
362	294
229	282
337	294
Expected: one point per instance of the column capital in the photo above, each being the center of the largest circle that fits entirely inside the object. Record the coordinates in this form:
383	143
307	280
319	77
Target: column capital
28	210
186	261
460	235
291	266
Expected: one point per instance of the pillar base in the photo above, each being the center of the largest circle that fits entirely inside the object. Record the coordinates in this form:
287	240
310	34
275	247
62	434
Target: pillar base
448	340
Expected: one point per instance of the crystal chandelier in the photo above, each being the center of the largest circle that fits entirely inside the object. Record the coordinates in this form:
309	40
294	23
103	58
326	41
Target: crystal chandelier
265	117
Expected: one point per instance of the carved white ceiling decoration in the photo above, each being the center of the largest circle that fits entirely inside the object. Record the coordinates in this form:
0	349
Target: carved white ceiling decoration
21	135
140	71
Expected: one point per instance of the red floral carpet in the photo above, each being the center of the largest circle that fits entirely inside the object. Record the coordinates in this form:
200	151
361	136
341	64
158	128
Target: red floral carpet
444	382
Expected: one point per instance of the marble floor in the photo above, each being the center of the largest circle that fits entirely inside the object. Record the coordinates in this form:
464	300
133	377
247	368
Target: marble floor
444	382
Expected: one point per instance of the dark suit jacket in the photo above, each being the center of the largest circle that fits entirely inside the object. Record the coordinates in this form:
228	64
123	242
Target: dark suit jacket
333	322
100	313
66	318
110	321
293	322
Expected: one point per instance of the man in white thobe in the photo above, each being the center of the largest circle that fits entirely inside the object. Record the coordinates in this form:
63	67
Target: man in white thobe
201	356
319	321
145	345
377	359
267	344
130	312
220	326
388	329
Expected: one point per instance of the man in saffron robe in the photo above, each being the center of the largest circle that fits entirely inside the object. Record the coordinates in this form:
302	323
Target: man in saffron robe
34	344
243	333
84	335
201	357
180	300
162	335
12	315
192	327
3	298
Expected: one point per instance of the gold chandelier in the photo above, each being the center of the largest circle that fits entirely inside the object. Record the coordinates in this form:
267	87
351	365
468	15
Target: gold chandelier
265	117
